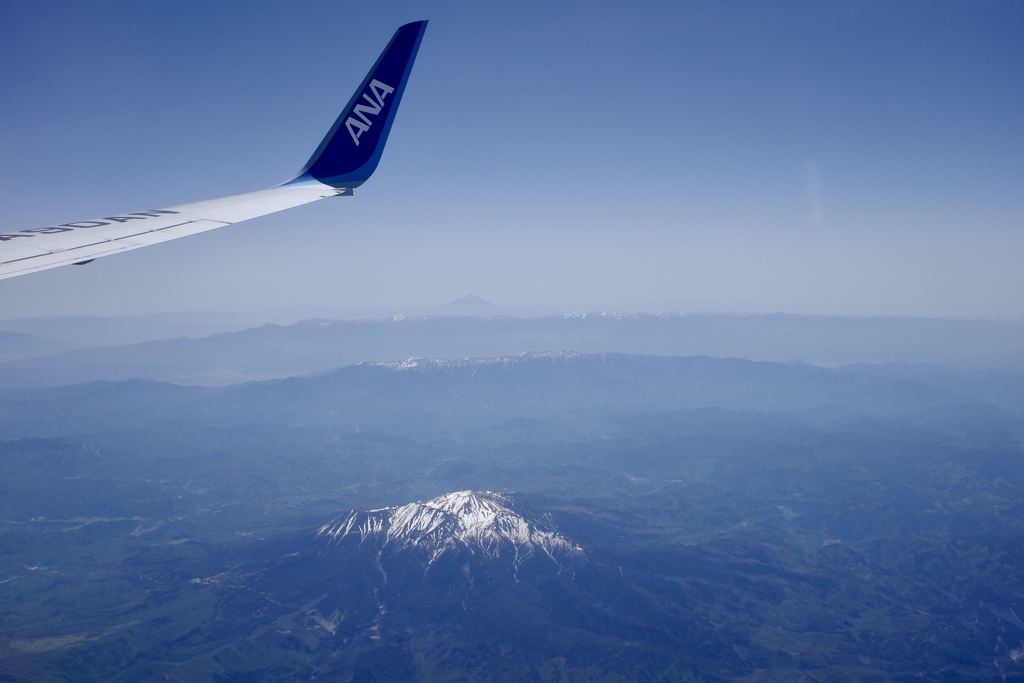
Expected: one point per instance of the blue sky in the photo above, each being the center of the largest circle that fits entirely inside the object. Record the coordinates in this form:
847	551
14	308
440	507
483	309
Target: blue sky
820	157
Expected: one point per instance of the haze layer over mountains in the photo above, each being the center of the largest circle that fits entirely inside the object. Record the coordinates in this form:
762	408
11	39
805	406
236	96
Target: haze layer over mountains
53	352
567	498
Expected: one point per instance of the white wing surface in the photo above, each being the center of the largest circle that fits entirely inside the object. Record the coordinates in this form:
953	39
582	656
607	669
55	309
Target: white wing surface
345	159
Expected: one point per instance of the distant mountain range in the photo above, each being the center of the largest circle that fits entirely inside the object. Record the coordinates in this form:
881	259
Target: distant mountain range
547	515
420	396
690	502
273	351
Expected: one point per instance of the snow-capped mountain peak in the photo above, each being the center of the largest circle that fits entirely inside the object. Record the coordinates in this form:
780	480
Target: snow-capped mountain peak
478	521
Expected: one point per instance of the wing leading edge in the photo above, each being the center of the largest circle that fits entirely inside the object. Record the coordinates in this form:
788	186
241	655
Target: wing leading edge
345	159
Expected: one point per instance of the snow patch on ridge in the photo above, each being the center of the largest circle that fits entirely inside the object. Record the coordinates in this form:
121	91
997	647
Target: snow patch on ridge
508	362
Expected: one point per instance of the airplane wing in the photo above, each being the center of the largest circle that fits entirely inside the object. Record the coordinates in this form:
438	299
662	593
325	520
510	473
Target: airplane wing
346	157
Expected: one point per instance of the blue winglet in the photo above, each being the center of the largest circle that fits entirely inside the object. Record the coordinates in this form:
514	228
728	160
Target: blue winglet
350	152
